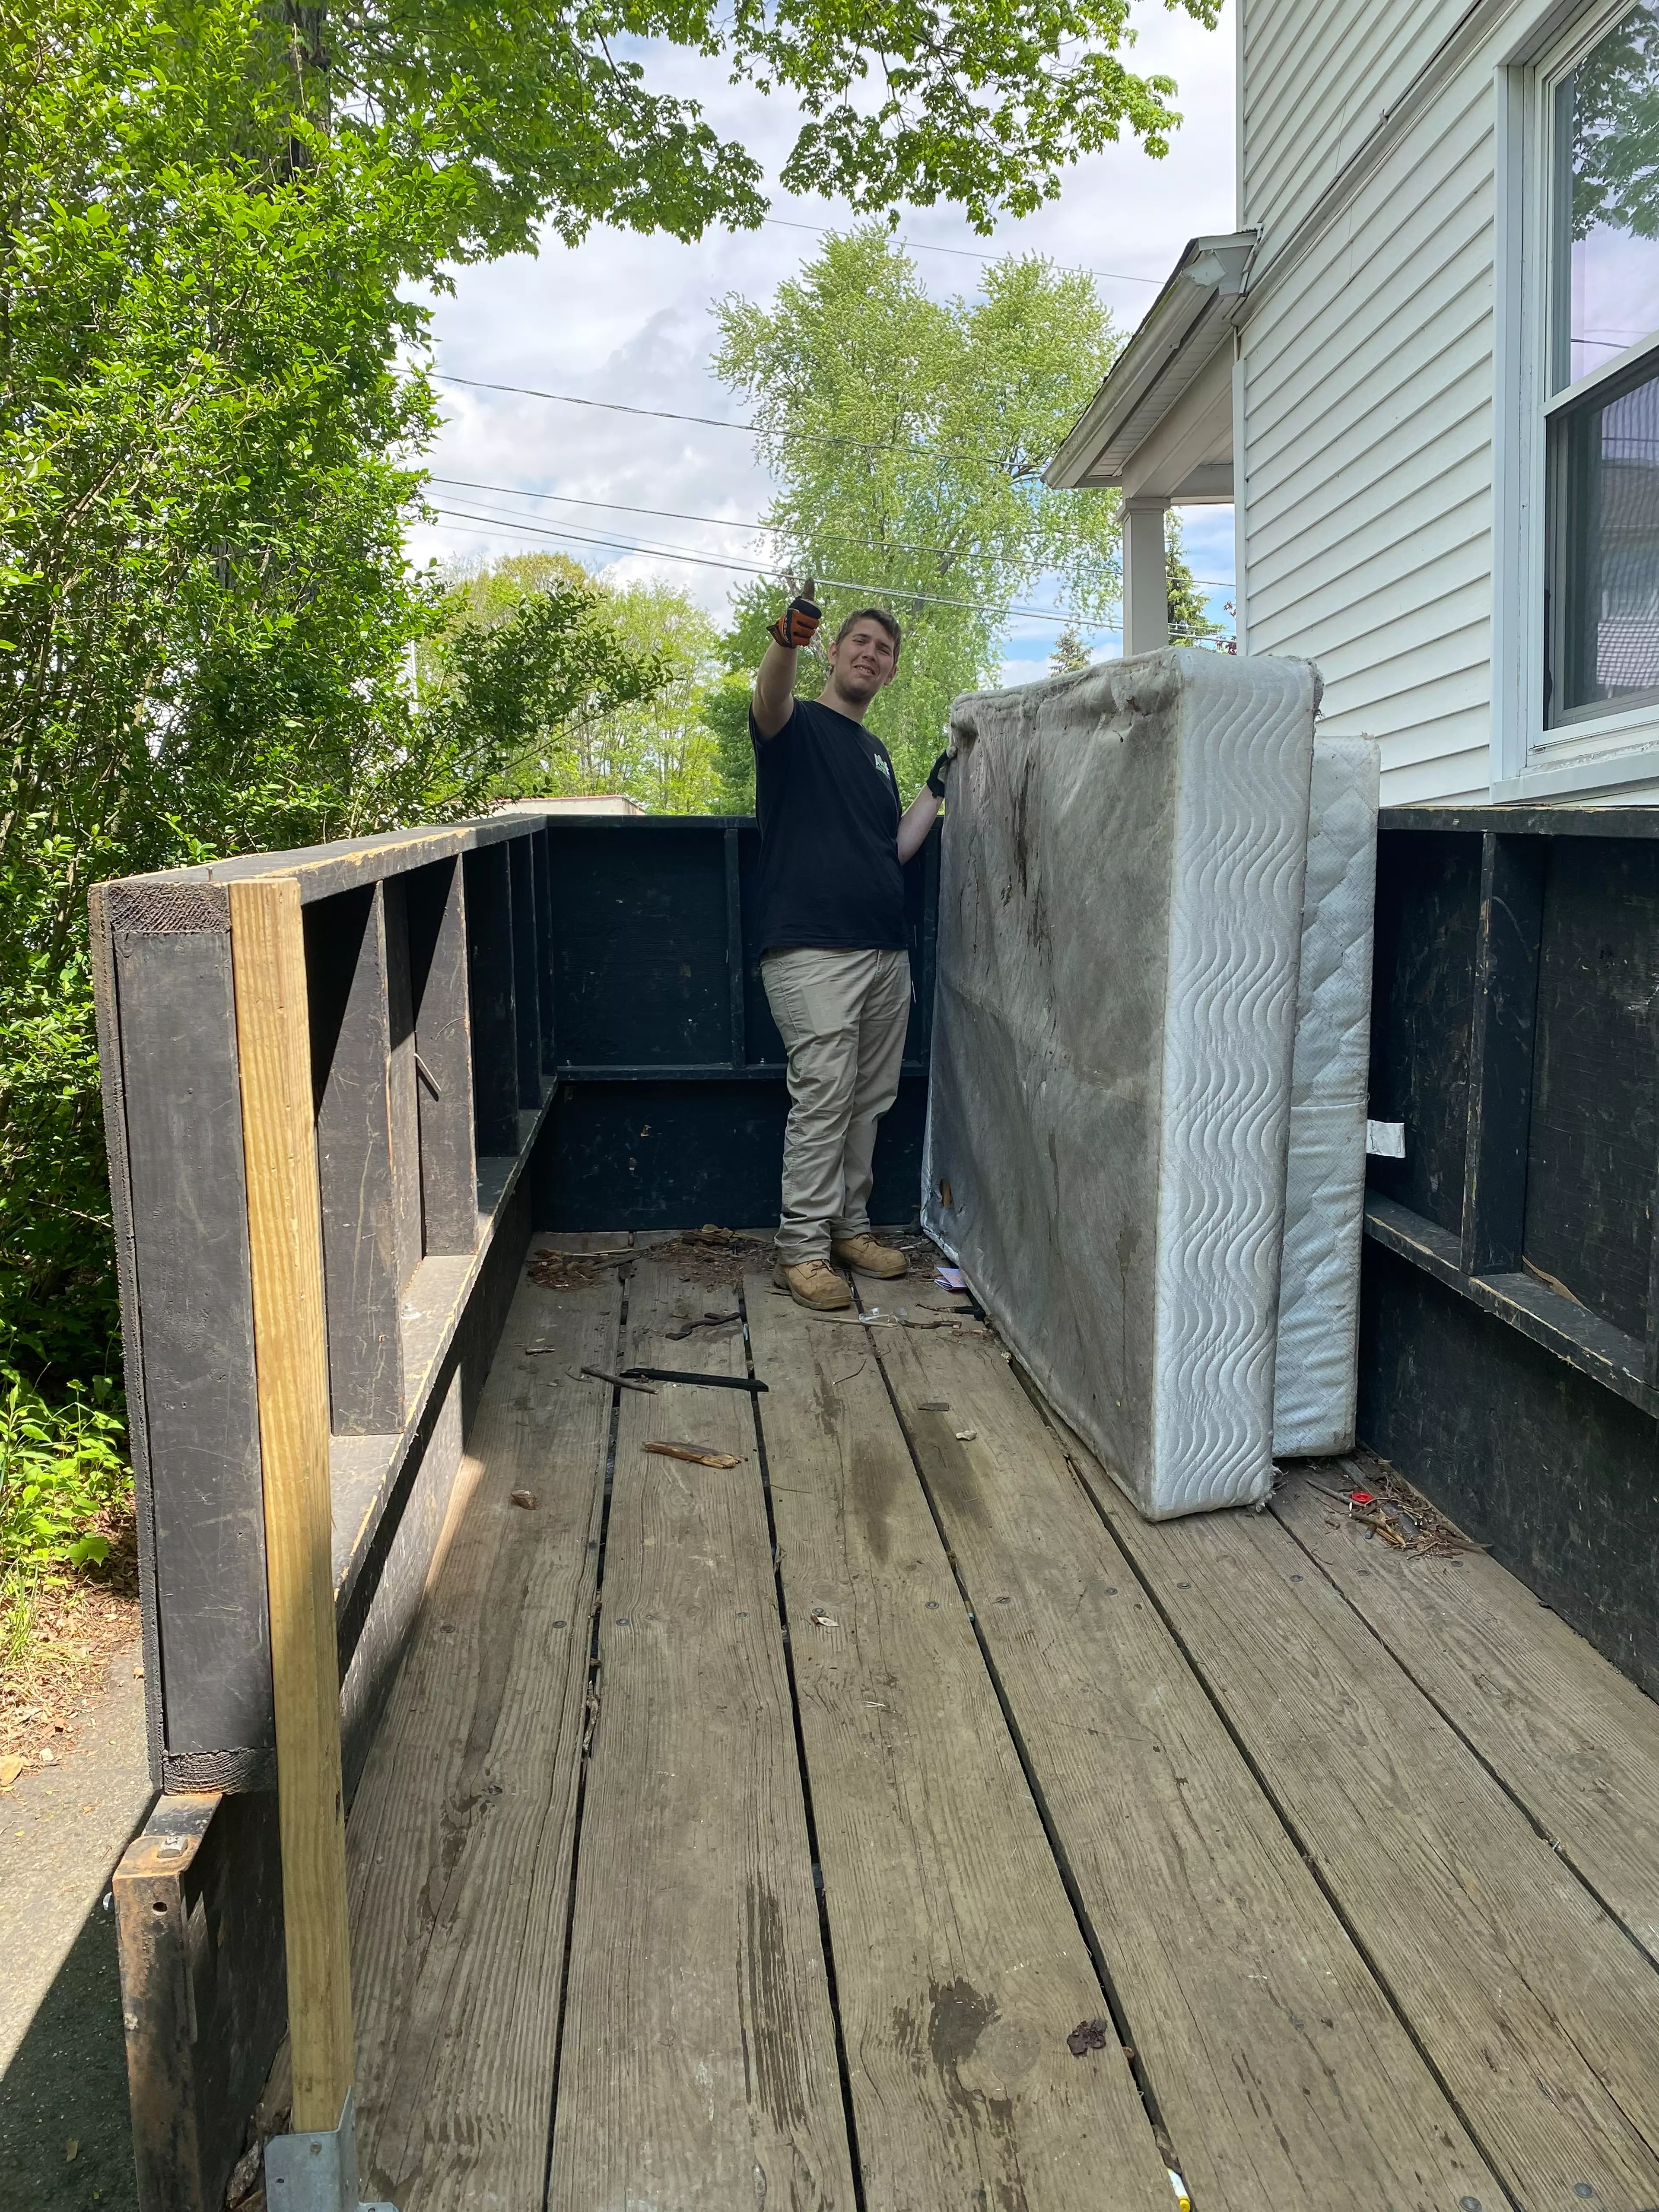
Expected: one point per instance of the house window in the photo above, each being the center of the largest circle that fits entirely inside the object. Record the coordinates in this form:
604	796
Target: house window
1602	627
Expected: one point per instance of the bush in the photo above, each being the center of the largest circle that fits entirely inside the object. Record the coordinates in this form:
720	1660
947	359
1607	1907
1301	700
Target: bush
62	1466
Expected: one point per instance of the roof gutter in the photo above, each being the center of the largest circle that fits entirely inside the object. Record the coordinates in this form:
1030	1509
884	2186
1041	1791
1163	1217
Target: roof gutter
1189	318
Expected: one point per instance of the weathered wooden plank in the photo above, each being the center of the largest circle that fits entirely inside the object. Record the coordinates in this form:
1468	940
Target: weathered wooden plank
1500	1053
542	849
734	983
348	997
189	1324
291	1359
490	997
1283	2074
462	1831
1574	1741
436	907
698	2065
1535	2009
960	1968
1594	1126
526	994
402	1081
1428	897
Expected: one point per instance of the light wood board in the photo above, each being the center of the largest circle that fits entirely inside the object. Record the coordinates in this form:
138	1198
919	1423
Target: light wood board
460	1836
1536	2010
1577	1742
1283	2074
285	1248
960	1967
699	2059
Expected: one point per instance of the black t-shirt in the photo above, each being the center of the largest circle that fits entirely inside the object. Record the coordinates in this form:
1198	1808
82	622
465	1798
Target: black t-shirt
829	807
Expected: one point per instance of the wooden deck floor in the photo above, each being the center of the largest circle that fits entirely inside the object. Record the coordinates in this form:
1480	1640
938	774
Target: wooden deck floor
756	1837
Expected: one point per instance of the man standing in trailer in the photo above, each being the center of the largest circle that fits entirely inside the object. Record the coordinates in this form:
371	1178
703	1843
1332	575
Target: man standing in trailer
830	916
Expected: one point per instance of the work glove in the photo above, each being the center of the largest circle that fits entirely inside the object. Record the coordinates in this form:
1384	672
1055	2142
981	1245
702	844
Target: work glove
798	625
937	773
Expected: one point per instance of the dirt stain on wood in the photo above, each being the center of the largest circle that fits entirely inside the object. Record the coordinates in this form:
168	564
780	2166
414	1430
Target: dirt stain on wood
773	2067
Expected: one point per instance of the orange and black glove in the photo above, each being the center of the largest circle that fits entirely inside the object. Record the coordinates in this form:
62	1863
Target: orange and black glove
798	625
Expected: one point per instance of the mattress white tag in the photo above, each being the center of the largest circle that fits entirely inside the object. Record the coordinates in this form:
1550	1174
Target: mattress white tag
1386	1140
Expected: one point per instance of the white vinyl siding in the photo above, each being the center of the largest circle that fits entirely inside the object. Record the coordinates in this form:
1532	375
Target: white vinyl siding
1317	76
1367	419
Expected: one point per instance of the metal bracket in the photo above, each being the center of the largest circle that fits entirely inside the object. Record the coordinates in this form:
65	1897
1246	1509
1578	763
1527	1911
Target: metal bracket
317	2172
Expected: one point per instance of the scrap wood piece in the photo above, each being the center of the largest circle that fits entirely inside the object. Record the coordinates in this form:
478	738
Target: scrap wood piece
699	1454
622	1382
710	1321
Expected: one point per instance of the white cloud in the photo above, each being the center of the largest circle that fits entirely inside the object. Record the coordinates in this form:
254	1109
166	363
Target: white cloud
627	319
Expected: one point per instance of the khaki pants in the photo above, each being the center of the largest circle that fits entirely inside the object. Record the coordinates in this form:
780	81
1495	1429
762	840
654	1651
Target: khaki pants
842	1017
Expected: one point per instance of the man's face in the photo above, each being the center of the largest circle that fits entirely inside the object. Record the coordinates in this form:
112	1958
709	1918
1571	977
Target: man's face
863	661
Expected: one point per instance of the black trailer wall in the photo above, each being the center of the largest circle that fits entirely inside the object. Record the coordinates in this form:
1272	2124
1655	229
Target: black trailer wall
671	1097
1510	1321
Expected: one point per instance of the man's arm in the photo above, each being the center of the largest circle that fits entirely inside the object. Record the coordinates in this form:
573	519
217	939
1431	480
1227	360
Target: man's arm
917	819
774	700
920	815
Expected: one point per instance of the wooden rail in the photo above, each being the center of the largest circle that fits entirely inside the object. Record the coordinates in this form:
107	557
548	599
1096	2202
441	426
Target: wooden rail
342	1086
324	1075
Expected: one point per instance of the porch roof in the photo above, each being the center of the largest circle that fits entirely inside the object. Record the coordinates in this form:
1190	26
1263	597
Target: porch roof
1160	425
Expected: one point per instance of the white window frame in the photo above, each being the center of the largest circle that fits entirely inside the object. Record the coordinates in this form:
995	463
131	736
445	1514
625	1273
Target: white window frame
1594	753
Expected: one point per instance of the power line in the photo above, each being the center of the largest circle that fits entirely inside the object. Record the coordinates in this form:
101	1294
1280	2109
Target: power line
720	521
967	252
720	423
899	592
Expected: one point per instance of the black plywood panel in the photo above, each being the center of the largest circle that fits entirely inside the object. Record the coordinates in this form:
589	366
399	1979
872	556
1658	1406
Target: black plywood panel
1428	899
435	903
347	991
492	1000
1557	1474
639	928
1595	1141
189	1195
645	1155
526	961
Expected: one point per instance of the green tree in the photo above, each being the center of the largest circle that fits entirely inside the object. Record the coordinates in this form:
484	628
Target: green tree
549	114
907	436
531	653
1069	654
602	692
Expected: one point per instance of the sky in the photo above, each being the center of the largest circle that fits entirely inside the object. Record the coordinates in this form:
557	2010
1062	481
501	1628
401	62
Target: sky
627	319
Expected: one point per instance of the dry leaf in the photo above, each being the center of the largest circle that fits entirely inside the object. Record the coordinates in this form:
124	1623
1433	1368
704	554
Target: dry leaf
525	1497
72	2151
10	1767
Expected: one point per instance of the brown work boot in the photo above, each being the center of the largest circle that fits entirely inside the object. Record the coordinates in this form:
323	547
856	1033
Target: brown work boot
869	1255
814	1285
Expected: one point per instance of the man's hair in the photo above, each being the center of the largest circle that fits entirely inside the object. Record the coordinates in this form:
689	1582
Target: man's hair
889	622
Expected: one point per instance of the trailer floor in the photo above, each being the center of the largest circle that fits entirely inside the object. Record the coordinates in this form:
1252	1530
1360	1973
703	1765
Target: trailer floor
894	1820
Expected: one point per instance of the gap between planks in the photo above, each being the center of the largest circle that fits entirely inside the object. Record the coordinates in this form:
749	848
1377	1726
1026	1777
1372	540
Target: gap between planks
698	2065
460	1837
961	1970
1281	2070
1537	2012
1572	1739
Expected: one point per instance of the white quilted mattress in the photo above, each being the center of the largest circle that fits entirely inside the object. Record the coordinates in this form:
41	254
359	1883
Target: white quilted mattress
1120	923
1325	1187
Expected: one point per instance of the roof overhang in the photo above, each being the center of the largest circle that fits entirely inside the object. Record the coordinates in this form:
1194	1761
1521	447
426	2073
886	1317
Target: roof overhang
1188	324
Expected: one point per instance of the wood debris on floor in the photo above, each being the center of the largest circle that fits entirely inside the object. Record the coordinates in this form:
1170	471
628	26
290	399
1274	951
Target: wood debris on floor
841	1779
